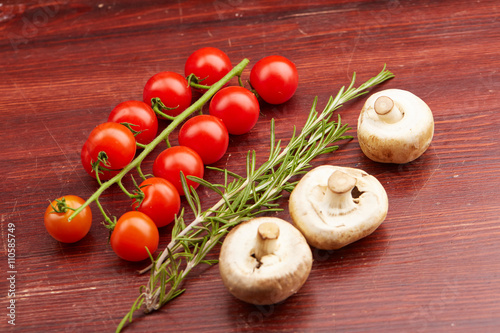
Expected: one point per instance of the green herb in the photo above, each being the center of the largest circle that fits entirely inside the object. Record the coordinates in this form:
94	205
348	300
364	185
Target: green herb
243	197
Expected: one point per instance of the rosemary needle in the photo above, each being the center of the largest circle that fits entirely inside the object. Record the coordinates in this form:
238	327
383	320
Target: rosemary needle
244	197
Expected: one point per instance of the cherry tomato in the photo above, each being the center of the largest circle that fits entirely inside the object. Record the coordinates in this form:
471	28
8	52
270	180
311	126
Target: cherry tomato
275	79
116	141
173	90
209	64
87	165
207	135
161	201
173	160
133	233
139	116
237	107
57	221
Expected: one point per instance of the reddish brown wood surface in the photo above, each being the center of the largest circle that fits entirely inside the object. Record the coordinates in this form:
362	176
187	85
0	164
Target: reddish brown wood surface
433	265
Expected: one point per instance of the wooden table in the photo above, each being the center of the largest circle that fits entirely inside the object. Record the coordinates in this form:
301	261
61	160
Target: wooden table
433	265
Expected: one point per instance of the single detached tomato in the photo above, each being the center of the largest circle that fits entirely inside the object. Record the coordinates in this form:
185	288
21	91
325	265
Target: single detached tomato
173	160
207	135
208	64
161	201
87	165
172	89
57	222
237	107
275	79
113	142
139	116
133	233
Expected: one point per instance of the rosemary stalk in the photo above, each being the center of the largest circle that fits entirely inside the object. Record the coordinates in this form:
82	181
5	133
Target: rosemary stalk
244	197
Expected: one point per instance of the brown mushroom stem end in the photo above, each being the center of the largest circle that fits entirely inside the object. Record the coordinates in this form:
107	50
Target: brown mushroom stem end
267	239
387	110
338	198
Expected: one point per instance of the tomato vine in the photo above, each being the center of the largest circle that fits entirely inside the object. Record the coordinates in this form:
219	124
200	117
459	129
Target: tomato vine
176	121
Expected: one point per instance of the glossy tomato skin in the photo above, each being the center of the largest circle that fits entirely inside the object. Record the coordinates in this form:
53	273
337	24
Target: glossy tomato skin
161	201
116	141
170	162
275	78
65	231
133	232
141	118
87	165
207	135
173	90
237	107
209	64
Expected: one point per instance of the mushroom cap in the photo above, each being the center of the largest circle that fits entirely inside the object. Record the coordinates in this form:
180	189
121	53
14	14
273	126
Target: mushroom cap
276	276
330	231
399	142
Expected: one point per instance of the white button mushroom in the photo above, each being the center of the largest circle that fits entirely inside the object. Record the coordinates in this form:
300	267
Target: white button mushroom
264	261
334	206
395	126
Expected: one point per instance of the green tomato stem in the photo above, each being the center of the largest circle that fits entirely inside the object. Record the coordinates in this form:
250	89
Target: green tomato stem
124	190
108	223
236	71
139	172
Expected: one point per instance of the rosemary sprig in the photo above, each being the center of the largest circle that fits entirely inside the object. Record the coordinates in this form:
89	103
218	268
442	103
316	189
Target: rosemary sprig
243	197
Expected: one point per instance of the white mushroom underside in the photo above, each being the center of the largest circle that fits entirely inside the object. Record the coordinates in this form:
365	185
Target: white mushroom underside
284	258
276	276
327	231
366	203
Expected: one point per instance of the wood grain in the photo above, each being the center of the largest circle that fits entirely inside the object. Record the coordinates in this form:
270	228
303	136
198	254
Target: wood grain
433	264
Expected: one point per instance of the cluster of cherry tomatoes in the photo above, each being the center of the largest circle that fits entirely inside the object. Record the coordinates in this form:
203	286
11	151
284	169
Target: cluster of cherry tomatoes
203	139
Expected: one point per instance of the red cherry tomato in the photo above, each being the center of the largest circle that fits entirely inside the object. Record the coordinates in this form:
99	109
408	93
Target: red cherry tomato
87	165
207	135
237	107
161	201
173	90
133	233
139	116
208	64
173	160
275	79
116	141
57	221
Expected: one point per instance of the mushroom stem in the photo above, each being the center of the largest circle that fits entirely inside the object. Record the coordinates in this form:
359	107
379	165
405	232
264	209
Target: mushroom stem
386	110
338	198
267	239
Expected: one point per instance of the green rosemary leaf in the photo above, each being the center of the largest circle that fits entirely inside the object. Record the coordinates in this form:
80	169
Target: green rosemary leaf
232	174
190	195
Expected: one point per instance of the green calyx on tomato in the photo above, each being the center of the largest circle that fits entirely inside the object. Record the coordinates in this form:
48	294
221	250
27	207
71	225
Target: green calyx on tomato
60	206
158	107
